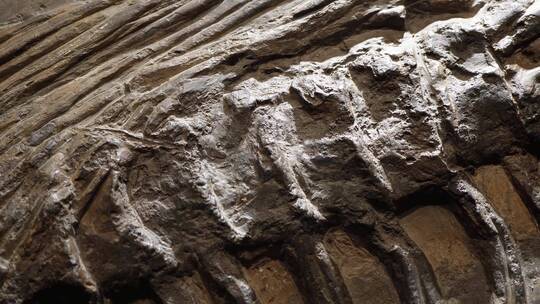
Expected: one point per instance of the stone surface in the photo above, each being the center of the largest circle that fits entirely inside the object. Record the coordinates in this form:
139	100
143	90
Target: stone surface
364	275
18	10
495	184
459	271
273	284
269	151
498	188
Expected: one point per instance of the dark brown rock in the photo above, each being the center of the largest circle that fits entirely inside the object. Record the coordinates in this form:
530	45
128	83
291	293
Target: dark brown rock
269	151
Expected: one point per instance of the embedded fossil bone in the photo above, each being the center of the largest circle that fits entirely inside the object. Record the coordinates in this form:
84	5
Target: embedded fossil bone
269	151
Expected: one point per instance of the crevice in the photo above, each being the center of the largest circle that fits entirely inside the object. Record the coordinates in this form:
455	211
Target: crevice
408	268
128	292
61	293
13	52
38	80
498	249
310	10
90	193
527	200
216	289
251	61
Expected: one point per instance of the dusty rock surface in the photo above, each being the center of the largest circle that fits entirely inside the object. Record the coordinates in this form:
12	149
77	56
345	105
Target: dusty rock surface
269	151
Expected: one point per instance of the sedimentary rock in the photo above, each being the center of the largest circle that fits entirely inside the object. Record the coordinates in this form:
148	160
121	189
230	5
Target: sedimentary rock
269	151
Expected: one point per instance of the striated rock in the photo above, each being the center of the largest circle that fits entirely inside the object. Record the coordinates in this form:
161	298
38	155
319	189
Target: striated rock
450	252
364	275
269	151
273	283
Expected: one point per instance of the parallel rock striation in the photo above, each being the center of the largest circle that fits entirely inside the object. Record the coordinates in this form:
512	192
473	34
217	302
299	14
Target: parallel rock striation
270	151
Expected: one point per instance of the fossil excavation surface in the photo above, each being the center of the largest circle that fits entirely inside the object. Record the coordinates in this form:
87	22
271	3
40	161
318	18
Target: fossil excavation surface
269	151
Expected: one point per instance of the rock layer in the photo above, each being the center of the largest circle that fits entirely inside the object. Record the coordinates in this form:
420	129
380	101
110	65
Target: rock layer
270	151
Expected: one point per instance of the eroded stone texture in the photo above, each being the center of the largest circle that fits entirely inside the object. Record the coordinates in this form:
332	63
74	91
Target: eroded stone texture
189	289
13	10
273	283
459	271
215	151
365	276
495	184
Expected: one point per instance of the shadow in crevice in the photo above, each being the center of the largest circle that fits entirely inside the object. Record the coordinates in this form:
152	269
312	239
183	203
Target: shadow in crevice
133	292
457	265
61	293
422	13
456	245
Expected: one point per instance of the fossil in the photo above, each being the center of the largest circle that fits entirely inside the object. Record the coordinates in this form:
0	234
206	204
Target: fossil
269	151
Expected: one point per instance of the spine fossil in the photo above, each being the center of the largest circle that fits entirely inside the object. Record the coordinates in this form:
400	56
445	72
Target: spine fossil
269	151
